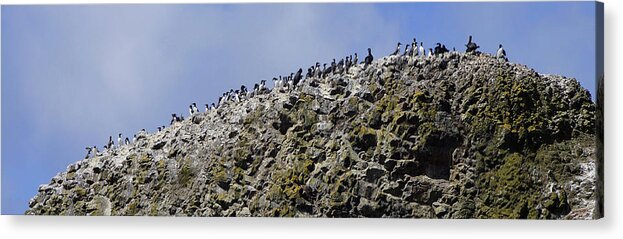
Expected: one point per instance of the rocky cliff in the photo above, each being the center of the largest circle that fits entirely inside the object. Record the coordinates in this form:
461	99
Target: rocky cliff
452	136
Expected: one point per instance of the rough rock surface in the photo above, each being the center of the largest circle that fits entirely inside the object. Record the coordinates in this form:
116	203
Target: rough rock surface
453	136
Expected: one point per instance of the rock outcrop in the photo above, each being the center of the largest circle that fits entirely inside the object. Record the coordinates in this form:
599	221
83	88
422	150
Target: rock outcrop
452	136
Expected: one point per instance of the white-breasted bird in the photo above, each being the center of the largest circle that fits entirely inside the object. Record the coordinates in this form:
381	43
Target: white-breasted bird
397	51
96	152
501	52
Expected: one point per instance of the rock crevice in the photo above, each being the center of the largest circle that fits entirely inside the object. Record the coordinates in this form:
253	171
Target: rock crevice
450	136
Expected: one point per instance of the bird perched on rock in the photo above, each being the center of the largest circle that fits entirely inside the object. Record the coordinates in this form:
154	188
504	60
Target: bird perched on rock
243	92
290	82
501	53
437	49
256	90
276	82
349	62
325	70
407	51
110	143
236	96
173	120
220	100
297	77
397	51
471	46
340	66
89	150
96	152
421	51
368	60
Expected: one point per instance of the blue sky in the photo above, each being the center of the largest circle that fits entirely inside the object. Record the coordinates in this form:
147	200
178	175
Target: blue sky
74	74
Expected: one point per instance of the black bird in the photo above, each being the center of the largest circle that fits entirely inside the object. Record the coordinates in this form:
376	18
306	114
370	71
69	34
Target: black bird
89	149
243	92
340	66
471	46
368	60
325	70
110	142
437	49
349	61
297	77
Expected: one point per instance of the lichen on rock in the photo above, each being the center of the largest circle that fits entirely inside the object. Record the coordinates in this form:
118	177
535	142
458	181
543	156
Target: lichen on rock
450	136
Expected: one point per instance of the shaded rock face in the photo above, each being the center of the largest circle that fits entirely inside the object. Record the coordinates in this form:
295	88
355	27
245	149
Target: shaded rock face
452	136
